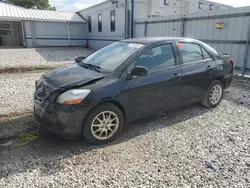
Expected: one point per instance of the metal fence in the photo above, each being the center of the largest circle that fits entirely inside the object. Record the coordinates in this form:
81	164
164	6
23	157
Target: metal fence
227	31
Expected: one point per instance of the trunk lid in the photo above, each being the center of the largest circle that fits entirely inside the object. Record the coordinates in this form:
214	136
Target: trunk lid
228	63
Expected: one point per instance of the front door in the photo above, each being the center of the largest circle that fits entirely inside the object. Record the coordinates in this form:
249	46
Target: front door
161	88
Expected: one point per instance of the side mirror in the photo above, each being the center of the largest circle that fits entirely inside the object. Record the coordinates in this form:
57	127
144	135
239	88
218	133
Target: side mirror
139	71
79	59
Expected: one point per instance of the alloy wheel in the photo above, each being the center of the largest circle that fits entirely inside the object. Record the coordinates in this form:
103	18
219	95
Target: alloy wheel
215	94
105	125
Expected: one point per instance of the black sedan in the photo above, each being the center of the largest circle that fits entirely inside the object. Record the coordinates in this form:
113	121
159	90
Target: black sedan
127	80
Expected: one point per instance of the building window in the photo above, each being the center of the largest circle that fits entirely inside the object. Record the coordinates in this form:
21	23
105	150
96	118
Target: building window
211	7
200	5
5	29
99	23
166	2
112	20
89	24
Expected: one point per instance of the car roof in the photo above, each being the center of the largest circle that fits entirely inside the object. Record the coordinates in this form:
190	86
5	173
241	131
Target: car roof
151	40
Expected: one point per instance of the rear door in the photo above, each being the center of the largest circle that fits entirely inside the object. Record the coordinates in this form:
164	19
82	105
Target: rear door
198	71
161	88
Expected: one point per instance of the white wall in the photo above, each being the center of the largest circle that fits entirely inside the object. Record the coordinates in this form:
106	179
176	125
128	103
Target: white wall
193	6
144	8
99	39
141	9
55	34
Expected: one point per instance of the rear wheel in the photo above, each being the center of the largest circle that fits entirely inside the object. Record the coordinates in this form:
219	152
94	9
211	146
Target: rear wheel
103	124
214	95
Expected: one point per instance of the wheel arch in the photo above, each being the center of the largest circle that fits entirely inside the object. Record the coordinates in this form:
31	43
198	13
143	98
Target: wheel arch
221	79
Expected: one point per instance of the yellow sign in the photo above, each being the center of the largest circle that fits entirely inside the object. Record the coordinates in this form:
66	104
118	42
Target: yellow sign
220	25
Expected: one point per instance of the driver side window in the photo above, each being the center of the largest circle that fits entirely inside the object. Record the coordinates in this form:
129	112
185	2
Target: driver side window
190	52
156	58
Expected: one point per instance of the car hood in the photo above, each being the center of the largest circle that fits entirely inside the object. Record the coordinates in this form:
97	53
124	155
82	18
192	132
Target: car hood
71	75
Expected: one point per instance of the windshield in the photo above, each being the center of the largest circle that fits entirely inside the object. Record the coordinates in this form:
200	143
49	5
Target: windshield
113	55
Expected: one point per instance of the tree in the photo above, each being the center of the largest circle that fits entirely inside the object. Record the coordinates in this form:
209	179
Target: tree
35	4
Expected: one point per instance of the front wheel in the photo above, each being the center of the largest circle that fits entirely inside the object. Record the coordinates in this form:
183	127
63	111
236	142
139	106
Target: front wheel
214	95
103	124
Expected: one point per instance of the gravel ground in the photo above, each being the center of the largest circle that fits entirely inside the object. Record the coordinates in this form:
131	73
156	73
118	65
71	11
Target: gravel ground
17	92
39	57
190	147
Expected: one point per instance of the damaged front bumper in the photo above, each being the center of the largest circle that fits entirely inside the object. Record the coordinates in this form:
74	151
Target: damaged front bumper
62	120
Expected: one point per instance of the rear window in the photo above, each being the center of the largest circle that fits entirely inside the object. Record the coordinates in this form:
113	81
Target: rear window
211	49
193	52
206	55
190	52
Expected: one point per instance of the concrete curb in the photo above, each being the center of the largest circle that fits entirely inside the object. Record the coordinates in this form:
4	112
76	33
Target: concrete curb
25	69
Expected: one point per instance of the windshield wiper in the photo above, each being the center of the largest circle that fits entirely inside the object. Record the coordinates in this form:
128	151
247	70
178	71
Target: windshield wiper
95	67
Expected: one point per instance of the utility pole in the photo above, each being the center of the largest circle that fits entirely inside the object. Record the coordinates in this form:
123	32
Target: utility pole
182	18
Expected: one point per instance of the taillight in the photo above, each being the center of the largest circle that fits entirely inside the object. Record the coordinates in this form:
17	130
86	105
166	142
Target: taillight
232	61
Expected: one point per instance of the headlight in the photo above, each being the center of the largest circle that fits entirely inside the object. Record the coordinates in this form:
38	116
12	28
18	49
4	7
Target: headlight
73	96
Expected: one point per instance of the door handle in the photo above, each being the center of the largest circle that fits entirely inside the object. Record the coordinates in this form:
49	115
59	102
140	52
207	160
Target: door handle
176	75
210	68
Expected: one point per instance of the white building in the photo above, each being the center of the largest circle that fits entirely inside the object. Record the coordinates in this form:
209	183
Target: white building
107	23
34	28
152	8
96	26
112	20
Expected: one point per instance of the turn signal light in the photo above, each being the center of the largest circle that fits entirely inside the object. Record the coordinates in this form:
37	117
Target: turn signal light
75	101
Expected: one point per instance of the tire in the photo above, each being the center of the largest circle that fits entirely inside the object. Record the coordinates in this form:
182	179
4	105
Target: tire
94	122
207	101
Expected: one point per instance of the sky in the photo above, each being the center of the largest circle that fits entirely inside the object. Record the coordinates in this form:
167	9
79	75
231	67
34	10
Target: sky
75	5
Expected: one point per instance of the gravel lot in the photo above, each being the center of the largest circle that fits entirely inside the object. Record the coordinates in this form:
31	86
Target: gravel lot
17	92
190	147
17	88
39	57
